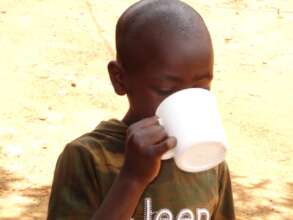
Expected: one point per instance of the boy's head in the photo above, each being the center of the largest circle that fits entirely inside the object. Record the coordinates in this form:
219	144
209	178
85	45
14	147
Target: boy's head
162	46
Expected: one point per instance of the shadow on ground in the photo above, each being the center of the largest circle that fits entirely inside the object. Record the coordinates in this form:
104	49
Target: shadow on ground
36	209
248	208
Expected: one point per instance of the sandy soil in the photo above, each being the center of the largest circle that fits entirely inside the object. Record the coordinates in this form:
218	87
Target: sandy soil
54	87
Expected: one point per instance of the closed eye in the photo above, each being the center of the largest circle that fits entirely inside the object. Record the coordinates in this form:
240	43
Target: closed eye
164	92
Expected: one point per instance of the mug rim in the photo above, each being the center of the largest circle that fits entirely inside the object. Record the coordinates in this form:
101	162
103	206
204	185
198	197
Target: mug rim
180	92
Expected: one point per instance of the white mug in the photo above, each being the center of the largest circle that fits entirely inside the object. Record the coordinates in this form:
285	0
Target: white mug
191	115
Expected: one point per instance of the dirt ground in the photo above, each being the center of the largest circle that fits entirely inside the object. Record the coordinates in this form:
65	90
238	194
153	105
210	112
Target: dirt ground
54	87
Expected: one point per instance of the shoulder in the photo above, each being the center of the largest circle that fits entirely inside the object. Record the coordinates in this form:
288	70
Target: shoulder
223	167
108	135
84	143
96	149
74	159
224	177
222	171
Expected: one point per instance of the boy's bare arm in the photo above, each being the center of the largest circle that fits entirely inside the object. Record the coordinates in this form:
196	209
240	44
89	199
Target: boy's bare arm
146	142
121	200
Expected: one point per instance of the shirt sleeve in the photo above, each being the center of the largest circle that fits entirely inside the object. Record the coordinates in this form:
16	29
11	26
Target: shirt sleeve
225	207
75	192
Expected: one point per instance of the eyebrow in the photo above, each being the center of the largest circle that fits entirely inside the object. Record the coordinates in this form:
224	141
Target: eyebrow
170	78
178	79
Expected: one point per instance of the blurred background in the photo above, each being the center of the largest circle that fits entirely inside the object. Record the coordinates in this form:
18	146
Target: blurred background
54	87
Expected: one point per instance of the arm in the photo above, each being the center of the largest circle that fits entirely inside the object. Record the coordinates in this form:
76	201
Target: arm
145	144
122	206
76	193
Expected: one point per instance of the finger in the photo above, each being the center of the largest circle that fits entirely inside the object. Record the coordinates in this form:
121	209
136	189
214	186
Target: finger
153	135
147	122
144	123
161	148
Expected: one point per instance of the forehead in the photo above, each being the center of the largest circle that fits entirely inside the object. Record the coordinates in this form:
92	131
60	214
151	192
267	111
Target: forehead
189	58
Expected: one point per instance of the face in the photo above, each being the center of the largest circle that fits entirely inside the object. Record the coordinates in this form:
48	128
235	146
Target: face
174	69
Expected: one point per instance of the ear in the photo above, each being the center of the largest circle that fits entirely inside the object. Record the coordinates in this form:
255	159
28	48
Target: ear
117	77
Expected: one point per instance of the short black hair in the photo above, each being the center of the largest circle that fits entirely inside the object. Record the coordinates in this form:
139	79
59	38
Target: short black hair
156	19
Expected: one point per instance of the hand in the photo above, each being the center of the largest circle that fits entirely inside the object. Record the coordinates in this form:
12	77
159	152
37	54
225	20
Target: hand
146	142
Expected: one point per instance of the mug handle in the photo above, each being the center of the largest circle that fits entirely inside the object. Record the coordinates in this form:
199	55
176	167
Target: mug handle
170	153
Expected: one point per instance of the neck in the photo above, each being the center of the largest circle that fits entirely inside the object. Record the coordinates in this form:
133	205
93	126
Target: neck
130	118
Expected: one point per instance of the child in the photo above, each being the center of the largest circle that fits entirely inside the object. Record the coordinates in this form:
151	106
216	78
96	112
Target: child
115	172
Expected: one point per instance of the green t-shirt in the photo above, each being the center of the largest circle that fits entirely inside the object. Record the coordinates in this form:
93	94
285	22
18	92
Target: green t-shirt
87	167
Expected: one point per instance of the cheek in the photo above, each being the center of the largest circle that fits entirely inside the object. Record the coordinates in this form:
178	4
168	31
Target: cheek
150	102
145	102
155	103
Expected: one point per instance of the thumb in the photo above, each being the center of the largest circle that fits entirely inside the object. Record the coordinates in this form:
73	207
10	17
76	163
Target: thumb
163	147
